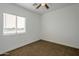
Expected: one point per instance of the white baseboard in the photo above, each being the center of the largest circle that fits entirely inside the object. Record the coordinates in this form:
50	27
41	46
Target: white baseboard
61	43
3	52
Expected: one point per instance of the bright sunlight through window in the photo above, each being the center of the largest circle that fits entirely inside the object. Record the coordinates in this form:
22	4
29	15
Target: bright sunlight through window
13	24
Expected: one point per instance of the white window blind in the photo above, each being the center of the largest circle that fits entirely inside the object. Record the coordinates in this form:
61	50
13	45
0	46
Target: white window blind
9	23
13	24
20	24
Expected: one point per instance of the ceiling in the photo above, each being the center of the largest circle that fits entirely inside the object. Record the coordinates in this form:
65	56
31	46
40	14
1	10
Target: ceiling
42	10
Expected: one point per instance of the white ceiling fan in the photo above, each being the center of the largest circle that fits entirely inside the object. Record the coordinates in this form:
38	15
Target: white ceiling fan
38	5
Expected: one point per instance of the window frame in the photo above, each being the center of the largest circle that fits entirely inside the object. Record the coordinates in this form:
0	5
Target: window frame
16	29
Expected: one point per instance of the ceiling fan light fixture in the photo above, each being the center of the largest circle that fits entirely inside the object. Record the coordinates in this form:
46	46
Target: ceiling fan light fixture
43	4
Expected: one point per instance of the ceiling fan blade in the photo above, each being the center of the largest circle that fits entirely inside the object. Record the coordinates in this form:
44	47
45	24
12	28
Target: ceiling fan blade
46	6
35	4
38	6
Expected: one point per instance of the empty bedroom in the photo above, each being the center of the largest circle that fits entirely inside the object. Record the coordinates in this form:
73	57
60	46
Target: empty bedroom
39	29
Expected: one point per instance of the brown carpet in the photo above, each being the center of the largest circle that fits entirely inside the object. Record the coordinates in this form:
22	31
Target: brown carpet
44	48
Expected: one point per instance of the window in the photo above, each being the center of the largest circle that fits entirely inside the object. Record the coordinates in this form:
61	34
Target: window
13	24
20	24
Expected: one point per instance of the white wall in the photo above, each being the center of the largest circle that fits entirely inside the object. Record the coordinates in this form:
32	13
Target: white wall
32	34
62	26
